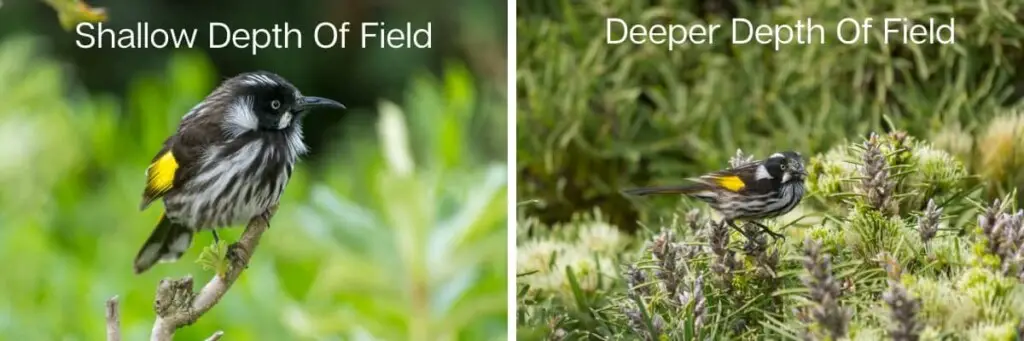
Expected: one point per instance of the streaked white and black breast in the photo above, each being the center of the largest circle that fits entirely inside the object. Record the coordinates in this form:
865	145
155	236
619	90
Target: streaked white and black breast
238	179
790	195
760	206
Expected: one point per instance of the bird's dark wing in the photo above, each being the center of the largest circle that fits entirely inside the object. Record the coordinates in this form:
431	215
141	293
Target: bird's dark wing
742	179
180	157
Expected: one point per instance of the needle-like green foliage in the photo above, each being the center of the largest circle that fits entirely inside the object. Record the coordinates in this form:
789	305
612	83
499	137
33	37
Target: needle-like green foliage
880	252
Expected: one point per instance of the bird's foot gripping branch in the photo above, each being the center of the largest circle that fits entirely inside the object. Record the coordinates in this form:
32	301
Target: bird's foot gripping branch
177	304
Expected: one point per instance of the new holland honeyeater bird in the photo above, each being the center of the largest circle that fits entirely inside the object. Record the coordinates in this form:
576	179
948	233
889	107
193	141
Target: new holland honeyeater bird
761	189
228	162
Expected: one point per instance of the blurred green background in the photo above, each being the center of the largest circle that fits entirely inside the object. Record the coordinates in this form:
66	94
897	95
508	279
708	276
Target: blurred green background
595	118
393	228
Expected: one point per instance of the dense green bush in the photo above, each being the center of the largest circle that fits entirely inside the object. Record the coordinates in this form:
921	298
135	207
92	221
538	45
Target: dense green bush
892	241
914	232
399	234
594	118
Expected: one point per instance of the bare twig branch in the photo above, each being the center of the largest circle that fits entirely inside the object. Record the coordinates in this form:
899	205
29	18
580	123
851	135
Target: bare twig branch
113	320
216	336
178	306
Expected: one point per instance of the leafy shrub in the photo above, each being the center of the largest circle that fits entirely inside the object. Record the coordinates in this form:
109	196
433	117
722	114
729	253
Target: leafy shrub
892	241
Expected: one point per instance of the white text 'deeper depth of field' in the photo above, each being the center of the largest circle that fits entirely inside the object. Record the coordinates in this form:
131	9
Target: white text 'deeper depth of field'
801	32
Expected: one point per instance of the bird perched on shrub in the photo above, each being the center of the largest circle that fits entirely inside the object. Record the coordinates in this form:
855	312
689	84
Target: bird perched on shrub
227	163
757	190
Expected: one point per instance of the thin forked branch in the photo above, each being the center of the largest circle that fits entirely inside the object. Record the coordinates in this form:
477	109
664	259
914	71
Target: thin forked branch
113	320
177	305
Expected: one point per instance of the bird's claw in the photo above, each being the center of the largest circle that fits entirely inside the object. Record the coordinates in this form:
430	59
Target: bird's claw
752	234
237	255
768	231
266	215
775	235
266	218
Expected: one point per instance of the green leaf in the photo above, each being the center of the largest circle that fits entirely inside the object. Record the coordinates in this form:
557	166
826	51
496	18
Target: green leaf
215	257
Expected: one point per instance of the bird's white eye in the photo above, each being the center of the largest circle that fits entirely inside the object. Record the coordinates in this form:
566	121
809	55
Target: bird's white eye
782	166
275	104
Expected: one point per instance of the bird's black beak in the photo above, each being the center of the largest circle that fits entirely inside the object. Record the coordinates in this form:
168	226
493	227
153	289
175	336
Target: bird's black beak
313	102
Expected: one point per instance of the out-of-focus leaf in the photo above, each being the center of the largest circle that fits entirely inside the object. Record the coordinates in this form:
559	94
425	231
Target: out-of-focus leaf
74	12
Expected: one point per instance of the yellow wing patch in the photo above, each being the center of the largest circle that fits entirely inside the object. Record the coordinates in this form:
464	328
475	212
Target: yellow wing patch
731	182
159	178
161	173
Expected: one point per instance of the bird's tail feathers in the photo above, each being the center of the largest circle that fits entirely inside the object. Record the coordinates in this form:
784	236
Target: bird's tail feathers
676	189
167	243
